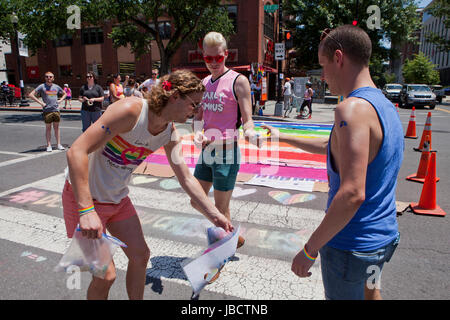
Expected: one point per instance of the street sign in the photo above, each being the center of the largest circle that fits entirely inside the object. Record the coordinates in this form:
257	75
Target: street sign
279	51
271	8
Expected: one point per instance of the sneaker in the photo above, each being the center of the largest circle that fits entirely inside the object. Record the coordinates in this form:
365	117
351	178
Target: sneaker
49	149
60	147
309	117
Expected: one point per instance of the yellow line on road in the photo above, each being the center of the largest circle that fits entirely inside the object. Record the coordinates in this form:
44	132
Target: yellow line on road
448	111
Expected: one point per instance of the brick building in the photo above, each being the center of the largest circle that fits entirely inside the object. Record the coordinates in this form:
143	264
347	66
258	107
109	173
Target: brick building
69	58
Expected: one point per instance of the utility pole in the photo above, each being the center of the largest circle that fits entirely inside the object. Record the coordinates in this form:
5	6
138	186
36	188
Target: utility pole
279	104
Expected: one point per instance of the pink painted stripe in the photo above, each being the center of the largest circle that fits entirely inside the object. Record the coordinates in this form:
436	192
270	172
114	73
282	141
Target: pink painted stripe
261	169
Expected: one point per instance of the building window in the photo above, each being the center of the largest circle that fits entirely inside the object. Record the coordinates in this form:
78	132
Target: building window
97	69
92	35
165	29
127	68
63	41
65	71
269	25
232	15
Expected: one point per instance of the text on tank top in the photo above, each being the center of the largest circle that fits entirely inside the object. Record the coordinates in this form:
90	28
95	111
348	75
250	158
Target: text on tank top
221	113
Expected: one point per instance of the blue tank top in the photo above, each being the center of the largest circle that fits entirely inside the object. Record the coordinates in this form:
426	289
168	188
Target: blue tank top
375	223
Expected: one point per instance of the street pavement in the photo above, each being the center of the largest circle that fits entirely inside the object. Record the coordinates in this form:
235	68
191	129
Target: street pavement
33	239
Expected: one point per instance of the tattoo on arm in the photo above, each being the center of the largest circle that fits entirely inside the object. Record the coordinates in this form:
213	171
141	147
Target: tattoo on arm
107	130
343	124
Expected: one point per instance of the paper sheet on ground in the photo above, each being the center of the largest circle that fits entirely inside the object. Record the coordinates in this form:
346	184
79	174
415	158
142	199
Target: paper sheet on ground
222	250
282	183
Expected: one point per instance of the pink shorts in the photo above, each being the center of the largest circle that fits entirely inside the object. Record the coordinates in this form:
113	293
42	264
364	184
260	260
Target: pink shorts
107	212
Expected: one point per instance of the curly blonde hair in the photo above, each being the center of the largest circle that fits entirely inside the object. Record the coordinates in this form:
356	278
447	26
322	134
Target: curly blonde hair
181	81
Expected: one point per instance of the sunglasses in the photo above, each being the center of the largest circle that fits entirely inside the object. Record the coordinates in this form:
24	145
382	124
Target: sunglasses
197	106
154	74
49	77
326	33
209	59
89	76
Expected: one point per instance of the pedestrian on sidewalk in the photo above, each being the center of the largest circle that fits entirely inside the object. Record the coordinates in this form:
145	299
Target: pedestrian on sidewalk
307	101
149	83
49	92
91	98
131	90
116	89
68	98
287	93
226	103
359	232
100	166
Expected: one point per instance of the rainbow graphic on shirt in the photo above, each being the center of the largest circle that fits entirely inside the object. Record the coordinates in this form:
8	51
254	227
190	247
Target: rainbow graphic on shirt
122	152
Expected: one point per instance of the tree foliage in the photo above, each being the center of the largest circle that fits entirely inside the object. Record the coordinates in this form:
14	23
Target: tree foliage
398	23
136	22
420	70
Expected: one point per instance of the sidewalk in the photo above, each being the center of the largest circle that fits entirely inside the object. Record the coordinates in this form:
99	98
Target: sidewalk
34	106
322	113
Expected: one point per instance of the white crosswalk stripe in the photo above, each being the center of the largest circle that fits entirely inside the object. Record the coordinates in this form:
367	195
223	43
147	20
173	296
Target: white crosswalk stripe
250	277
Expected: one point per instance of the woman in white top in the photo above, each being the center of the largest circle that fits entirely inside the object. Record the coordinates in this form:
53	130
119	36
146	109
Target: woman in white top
101	162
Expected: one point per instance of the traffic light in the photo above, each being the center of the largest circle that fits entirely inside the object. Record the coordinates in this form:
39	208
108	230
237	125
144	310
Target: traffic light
288	40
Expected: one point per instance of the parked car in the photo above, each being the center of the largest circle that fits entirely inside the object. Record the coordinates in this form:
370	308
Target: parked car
417	95
439	92
447	91
392	91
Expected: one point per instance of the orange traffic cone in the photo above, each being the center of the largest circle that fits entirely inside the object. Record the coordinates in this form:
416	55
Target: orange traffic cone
411	131
426	132
427	203
423	164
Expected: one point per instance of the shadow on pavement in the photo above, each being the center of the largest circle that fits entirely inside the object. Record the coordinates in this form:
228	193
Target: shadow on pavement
32	117
164	266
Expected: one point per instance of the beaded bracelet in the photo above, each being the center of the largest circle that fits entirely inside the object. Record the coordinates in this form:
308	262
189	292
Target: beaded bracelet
307	255
84	211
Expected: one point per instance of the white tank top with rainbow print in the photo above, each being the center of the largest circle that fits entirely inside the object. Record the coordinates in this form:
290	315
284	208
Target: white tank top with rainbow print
110	167
221	114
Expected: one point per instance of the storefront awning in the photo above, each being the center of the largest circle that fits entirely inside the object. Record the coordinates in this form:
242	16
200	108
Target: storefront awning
198	69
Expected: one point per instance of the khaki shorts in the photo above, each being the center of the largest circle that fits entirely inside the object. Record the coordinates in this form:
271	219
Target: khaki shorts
50	117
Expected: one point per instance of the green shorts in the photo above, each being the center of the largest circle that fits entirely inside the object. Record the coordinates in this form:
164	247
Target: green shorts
219	166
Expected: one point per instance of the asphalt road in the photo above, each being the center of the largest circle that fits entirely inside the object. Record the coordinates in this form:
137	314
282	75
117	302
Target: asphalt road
418	270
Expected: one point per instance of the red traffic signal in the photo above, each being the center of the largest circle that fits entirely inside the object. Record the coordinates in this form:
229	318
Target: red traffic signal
355	22
287	35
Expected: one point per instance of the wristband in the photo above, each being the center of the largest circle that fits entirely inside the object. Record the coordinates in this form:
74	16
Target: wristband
307	255
84	211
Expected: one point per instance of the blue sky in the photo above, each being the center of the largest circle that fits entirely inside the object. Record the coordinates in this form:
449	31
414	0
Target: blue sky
424	3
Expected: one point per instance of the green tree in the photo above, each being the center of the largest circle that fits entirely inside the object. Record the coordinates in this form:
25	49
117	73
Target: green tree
440	9
420	70
137	22
398	23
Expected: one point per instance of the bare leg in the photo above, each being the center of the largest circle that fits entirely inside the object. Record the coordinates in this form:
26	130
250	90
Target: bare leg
48	134
130	232
99	288
56	129
222	201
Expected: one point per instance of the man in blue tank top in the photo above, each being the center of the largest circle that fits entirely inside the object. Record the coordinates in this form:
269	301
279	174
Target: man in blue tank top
359	233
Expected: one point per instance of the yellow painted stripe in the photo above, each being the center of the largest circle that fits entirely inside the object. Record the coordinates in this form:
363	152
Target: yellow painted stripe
448	111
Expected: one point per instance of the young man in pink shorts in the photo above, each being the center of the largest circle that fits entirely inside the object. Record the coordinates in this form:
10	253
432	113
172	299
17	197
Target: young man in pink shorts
101	162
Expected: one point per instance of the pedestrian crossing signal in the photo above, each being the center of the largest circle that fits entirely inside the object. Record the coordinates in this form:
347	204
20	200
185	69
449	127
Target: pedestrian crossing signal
288	40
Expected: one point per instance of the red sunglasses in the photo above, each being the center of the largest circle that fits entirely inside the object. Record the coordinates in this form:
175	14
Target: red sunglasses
209	59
